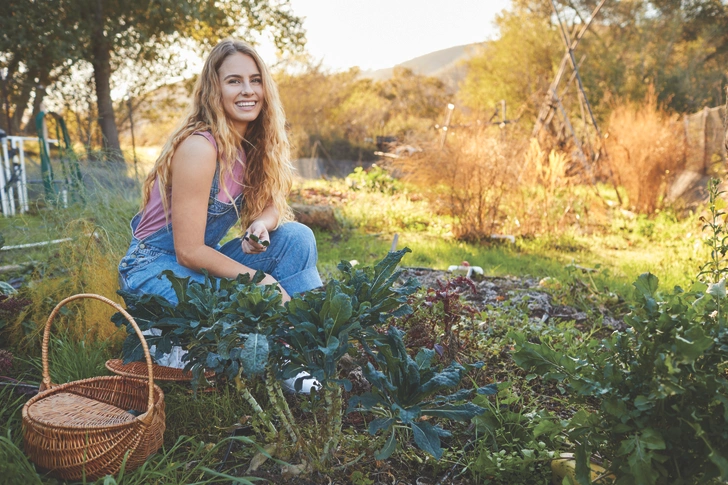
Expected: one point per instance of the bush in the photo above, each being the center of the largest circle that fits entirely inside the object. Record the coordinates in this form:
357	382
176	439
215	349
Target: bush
468	179
646	148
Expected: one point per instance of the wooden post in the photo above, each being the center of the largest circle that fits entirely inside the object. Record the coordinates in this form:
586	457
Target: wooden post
574	66
549	103
450	108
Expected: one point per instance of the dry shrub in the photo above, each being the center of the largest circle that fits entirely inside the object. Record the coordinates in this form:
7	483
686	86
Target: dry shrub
548	170
646	148
468	179
549	198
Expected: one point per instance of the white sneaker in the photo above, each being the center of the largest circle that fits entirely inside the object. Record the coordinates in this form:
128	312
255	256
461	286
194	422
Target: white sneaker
290	384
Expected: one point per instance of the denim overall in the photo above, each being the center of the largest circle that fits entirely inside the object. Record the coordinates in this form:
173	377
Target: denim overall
290	258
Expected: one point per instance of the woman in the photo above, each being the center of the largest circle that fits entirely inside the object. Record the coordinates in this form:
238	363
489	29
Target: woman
228	161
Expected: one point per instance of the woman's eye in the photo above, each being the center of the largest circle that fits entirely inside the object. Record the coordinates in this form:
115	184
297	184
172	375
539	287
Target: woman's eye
257	80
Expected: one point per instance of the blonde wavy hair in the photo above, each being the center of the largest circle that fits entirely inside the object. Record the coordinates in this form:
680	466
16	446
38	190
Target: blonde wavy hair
268	173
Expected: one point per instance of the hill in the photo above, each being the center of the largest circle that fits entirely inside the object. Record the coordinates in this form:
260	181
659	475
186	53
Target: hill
446	64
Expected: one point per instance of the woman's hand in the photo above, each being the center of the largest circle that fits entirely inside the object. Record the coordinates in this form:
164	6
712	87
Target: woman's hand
260	240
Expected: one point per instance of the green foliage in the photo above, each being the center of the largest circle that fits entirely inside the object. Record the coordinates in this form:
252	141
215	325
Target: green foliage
70	359
335	115
661	385
517	67
373	179
717	240
15	467
515	445
407	389
234	325
225	324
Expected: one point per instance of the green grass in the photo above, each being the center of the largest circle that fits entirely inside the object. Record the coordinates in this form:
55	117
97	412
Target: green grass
626	245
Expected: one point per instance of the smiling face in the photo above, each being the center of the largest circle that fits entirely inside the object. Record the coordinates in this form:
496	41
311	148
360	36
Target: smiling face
242	90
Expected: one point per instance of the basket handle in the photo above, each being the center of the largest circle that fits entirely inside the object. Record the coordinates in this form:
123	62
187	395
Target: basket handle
47	332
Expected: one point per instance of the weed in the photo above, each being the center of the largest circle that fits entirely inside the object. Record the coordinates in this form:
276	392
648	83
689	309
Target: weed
515	445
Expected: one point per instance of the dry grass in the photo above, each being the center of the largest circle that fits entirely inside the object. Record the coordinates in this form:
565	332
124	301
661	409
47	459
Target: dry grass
646	148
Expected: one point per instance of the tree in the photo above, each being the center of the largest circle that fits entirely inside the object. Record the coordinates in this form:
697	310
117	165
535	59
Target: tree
140	28
517	67
678	46
108	32
35	51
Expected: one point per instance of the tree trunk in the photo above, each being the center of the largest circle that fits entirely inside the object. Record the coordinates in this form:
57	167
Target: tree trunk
20	102
7	81
101	52
40	92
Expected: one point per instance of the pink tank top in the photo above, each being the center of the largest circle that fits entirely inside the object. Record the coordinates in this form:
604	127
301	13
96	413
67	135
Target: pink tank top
153	217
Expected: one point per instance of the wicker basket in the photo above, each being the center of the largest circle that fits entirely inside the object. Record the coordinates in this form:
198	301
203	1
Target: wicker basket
85	429
161	372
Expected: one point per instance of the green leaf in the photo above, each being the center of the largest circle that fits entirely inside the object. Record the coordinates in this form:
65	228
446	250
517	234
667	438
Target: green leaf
257	239
449	377
424	358
720	462
330	349
582	471
389	447
717	290
642	403
548	428
179	285
379	424
652	439
646	286
406	415
457	412
427	438
692	345
489	390
340	310
254	355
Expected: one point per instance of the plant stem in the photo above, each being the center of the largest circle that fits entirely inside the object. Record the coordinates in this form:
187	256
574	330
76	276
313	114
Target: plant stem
333	411
243	390
280	405
286	408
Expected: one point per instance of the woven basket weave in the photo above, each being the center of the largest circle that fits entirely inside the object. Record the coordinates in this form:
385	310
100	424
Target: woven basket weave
84	429
161	372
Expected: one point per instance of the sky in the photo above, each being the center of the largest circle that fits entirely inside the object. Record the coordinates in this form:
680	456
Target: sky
374	34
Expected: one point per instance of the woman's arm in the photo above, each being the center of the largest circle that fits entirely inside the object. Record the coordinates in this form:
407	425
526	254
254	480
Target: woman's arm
193	167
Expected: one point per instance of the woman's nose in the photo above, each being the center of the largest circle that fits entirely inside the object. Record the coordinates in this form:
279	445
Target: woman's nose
247	88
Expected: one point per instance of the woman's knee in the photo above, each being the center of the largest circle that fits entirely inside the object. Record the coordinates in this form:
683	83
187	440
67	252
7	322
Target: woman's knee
296	235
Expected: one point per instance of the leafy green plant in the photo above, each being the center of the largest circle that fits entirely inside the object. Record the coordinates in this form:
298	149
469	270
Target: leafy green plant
515	445
407	389
373	179
661	387
717	240
238	328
